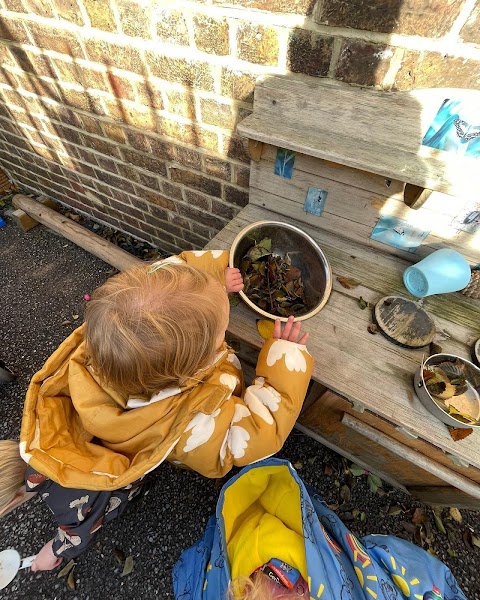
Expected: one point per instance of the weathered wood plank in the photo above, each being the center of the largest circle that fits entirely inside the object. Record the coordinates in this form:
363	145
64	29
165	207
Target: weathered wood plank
377	132
353	212
352	362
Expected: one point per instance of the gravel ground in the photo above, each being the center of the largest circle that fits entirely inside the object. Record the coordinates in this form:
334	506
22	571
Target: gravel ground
44	278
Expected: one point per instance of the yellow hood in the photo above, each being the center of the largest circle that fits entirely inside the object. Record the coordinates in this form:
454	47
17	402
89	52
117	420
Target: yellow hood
263	520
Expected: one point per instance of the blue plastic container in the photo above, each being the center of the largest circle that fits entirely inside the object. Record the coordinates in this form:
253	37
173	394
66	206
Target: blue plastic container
443	271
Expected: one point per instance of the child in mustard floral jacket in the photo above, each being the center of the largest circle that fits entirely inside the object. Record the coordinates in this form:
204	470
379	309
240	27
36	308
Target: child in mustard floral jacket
149	378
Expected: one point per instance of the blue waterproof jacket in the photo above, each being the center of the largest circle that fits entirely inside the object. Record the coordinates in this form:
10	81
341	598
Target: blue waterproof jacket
338	565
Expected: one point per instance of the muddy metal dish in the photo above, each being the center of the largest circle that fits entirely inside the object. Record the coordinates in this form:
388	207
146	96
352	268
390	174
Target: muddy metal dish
304	253
470	398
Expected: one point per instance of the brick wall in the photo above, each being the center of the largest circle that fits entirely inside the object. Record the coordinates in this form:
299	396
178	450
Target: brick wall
126	109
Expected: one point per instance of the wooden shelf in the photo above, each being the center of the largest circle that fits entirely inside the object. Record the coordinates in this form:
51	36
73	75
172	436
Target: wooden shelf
377	132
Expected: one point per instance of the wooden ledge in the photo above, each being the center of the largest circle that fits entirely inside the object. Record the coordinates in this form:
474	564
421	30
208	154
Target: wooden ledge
377	132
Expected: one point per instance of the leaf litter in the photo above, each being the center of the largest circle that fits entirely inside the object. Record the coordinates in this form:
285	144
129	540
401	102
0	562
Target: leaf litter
271	281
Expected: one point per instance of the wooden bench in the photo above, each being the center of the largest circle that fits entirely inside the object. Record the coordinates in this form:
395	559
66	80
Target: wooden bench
364	148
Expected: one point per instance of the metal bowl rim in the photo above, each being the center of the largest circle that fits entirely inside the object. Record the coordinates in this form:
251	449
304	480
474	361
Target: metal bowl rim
445	355
328	270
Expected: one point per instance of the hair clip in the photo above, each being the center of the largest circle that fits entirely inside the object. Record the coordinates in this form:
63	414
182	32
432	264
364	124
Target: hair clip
159	265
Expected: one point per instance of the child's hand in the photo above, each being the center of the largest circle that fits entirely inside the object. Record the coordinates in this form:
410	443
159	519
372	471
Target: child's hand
233	280
46	559
290	331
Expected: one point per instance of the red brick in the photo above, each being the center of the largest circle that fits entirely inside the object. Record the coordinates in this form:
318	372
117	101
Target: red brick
429	18
140	116
102	146
363	63
13	30
33	63
39	7
217	113
180	131
257	44
217	168
115	55
14	5
59	40
100	14
171	190
138	141
309	53
171	26
72	72
108	165
196	181
181	103
144	162
158	213
120	87
135	18
70	11
68	134
432	69
115	181
235	195
91	125
186	157
149	94
148	181
200	216
159	200
190	73
81	99
211	35
237	148
199	200
126	171
114	133
238	84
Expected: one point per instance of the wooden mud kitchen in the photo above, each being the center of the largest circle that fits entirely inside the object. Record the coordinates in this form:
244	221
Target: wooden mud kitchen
348	167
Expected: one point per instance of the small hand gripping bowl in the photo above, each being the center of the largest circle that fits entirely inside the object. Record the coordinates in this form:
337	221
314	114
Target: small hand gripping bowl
304	253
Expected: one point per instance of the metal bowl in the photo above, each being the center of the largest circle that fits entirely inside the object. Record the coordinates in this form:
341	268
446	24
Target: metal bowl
305	254
434	406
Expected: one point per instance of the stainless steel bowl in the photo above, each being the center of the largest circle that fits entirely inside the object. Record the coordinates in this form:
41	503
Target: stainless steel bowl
429	402
305	254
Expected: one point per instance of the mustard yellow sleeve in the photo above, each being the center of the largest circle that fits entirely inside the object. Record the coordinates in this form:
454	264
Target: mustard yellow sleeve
213	262
255	425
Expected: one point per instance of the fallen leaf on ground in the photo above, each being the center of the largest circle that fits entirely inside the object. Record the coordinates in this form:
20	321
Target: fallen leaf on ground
372	328
393	511
345	493
66	569
419	516
265	328
119	556
298	465
362	303
71	581
356	470
67	322
476	541
410	527
459	434
128	566
456	514
374	483
328	470
75	317
439	524
363	516
347	282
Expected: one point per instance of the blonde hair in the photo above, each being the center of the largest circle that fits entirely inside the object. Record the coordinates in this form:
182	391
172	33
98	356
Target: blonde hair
148	328
256	587
12	471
